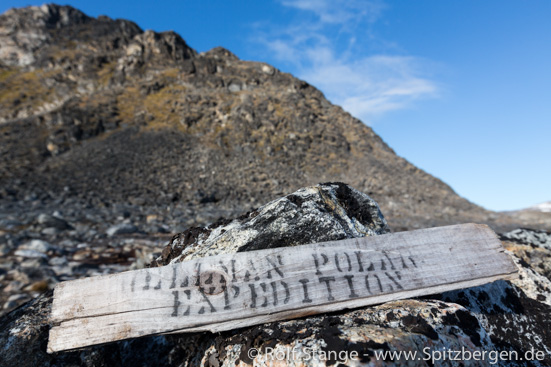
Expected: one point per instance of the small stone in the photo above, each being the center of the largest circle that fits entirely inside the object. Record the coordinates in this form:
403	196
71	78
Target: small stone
81	255
58	261
13	286
15	300
47	220
4	249
10	223
17	297
91	233
234	87
151	218
37	245
157	229
163	229
137	201
30	254
122	228
31	264
72	233
18	275
50	231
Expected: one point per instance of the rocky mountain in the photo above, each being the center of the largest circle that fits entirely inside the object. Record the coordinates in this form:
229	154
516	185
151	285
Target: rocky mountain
96	112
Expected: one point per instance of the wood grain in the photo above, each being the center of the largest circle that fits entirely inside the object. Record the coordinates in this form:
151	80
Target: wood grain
235	290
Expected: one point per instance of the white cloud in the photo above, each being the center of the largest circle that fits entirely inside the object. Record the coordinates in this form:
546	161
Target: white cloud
371	85
331	53
338	12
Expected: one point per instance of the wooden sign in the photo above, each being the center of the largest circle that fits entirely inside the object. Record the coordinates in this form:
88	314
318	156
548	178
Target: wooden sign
240	289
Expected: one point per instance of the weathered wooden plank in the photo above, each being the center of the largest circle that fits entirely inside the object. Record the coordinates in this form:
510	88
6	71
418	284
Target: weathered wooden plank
235	290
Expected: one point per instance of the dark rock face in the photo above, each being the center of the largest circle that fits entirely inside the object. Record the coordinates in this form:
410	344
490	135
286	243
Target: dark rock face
98	110
502	316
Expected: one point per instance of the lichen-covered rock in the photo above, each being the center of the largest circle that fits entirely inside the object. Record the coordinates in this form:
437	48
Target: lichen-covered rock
517	314
513	321
325	212
529	237
357	337
500	317
532	247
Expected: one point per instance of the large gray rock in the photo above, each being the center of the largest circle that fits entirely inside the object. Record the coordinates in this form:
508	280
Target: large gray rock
325	212
501	316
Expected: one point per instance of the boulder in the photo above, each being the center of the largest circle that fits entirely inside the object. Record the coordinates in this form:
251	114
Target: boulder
326	212
501	317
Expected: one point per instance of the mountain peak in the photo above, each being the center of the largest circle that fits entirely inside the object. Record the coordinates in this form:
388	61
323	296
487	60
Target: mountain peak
44	16
27	34
24	30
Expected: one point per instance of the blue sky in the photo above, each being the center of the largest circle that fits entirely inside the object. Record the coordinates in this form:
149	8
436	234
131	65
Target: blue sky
462	89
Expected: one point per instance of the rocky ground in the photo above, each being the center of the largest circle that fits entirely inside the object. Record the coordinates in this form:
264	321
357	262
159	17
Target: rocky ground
40	246
509	317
